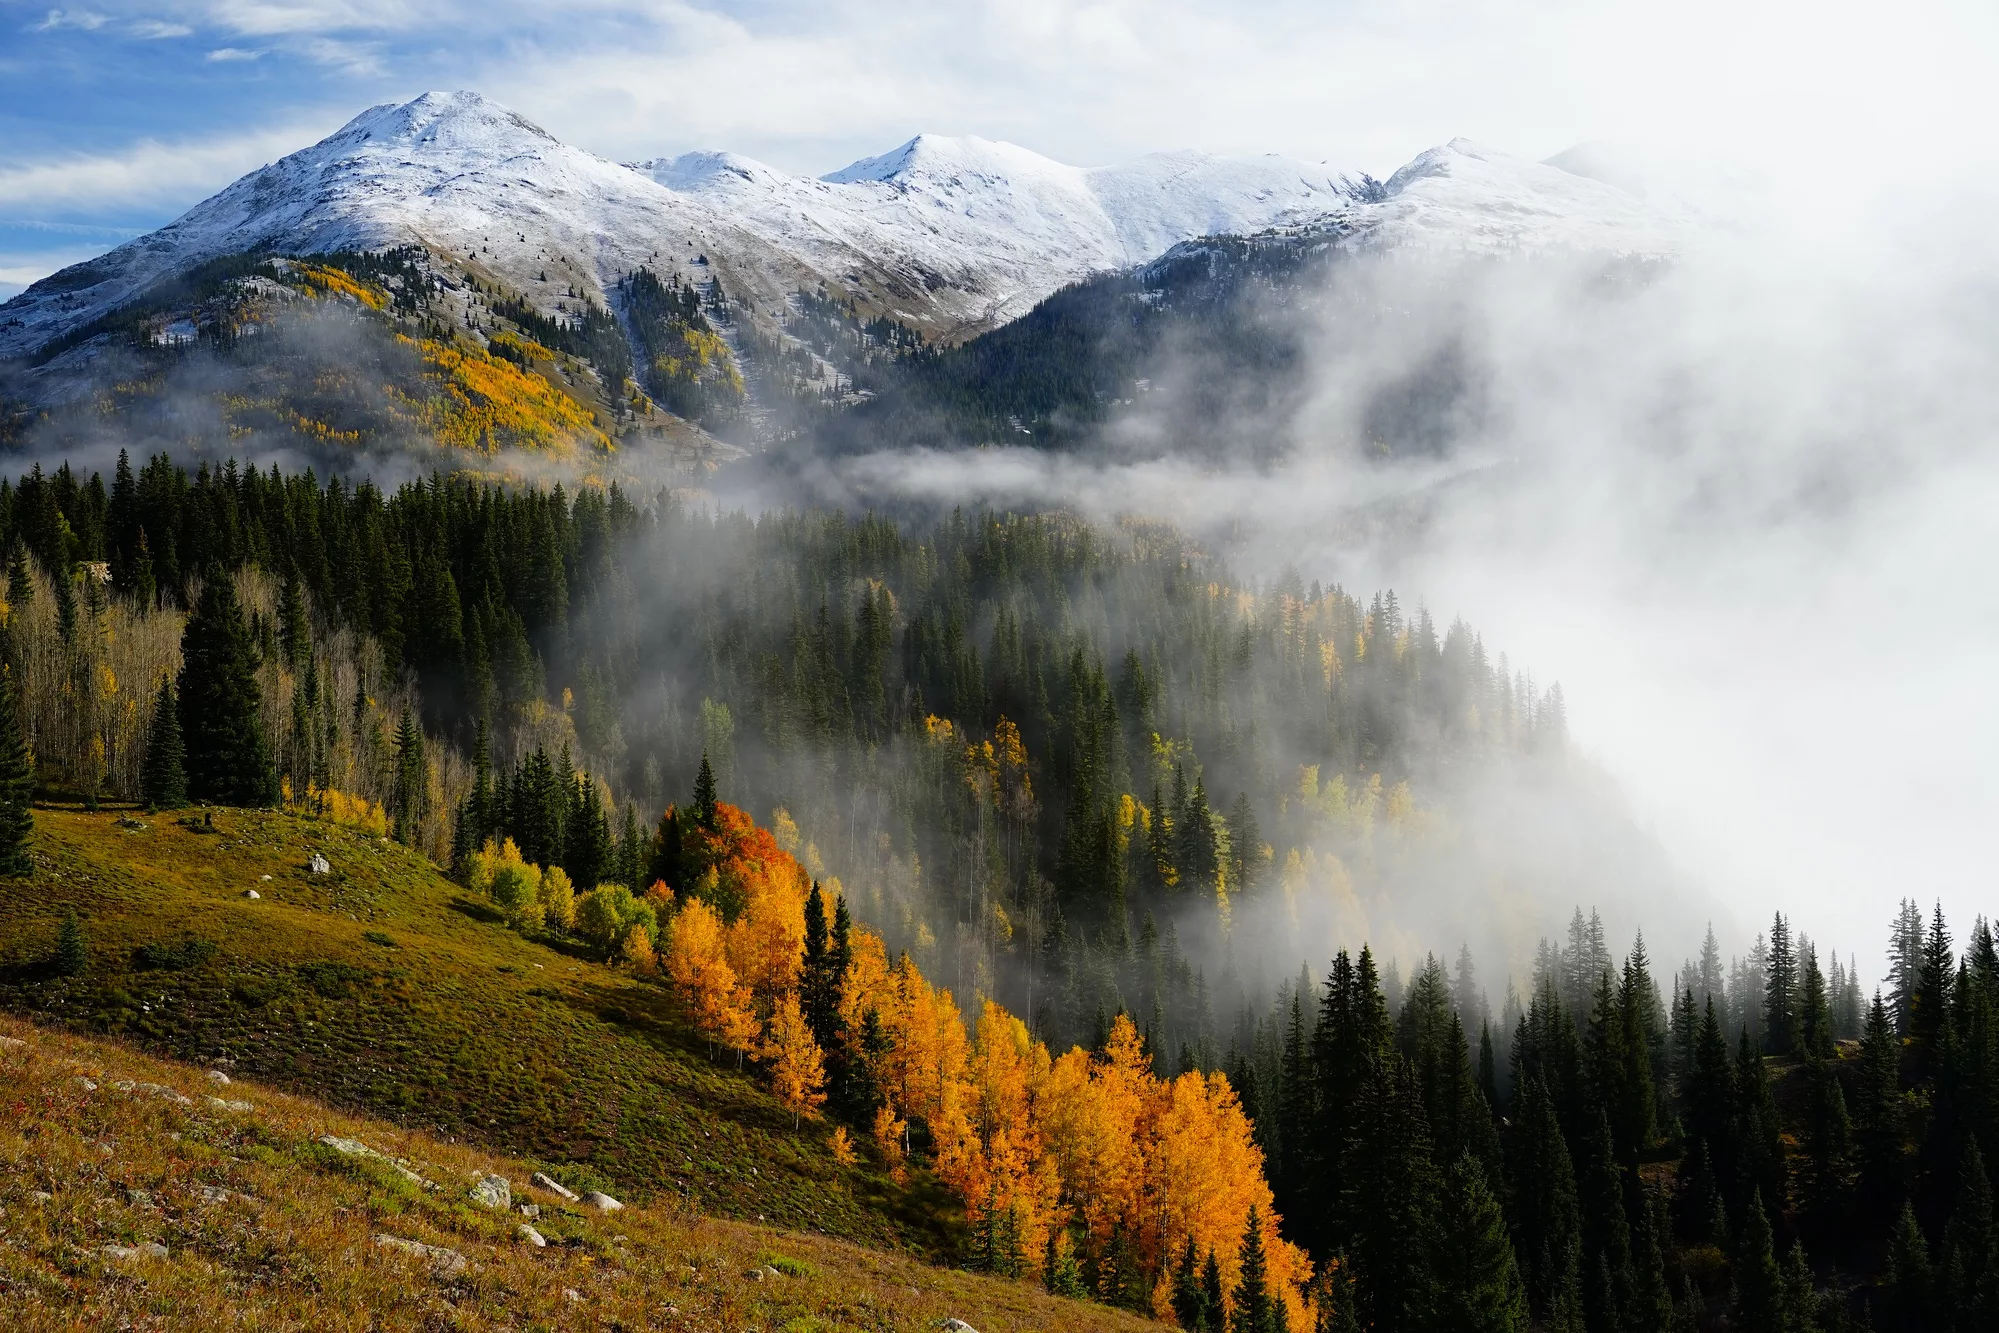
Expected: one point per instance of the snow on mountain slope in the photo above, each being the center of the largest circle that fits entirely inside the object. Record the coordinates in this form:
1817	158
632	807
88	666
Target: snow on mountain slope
950	235
1466	197
997	222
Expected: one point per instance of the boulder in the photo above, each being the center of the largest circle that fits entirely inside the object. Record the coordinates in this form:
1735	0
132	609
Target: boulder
319	865
442	1259
958	1326
531	1210
251	893
217	1076
230	1104
542	1181
533	1237
602	1202
493	1192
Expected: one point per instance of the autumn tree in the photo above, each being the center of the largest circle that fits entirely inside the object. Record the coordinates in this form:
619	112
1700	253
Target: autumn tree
797	1068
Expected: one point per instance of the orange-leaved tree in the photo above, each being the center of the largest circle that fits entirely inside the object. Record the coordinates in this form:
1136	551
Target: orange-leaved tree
697	964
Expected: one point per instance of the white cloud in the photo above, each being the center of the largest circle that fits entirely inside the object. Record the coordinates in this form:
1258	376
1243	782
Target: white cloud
225	54
85	19
150	173
154	30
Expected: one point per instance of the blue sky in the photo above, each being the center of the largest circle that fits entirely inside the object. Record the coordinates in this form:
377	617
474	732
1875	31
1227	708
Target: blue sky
116	116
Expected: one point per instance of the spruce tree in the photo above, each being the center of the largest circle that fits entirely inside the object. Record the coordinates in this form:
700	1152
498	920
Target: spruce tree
17	784
1253	1310
163	779
410	787
707	804
1907	1289
228	760
72	950
1189	1306
1211	1292
1477	1285
1759	1285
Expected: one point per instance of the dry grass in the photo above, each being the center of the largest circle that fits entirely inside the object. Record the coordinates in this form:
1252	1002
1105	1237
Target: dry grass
264	1227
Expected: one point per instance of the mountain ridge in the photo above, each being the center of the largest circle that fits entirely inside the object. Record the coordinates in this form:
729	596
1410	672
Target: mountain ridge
952	236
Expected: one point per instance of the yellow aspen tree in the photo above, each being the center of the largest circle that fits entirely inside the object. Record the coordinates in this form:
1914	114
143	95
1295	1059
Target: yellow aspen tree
797	1067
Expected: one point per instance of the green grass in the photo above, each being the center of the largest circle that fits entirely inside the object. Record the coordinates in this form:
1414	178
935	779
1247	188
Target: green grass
383	988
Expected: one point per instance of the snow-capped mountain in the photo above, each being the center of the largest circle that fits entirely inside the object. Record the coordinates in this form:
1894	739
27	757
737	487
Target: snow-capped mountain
997	220
952	236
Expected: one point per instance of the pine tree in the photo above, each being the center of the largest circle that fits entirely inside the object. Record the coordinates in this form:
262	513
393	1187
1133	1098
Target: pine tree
1878	1119
1759	1284
1190	1306
410	785
227	758
1477	1285
1780	990
1211	1292
72	950
1254	1310
1908	1286
17	784
163	780
706	803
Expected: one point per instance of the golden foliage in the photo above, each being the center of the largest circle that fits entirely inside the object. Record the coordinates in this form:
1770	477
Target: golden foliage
484	403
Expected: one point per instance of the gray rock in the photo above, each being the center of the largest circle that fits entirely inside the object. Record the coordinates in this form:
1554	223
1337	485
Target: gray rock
217	1076
958	1326
533	1237
543	1181
493	1192
149	1249
356	1148
41	1196
85	1084
531	1210
319	865
442	1259
755	1275
251	893
229	1104
571	1294
601	1202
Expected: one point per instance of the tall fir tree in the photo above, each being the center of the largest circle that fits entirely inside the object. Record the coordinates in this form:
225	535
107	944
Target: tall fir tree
163	779
228	759
1475	1282
1254	1309
706	801
17	783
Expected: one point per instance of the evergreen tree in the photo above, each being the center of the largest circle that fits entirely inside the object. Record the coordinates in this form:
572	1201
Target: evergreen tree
706	802
227	759
1759	1284
17	784
1908	1287
1780	995
1211	1291
163	780
411	787
1190	1306
1879	1117
1254	1309
1477	1286
72	950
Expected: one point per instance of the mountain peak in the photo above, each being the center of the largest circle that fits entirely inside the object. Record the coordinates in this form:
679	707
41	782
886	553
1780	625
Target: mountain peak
943	155
449	119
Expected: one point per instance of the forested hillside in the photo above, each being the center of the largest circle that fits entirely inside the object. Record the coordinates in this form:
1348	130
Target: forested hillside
1022	765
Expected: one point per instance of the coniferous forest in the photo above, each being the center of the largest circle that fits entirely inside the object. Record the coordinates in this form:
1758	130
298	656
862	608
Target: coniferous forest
1083	776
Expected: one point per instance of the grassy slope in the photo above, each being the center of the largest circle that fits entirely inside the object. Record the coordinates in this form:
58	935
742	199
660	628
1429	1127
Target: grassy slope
457	1026
265	1228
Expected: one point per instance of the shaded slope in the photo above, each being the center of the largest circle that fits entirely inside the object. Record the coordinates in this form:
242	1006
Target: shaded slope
382	987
